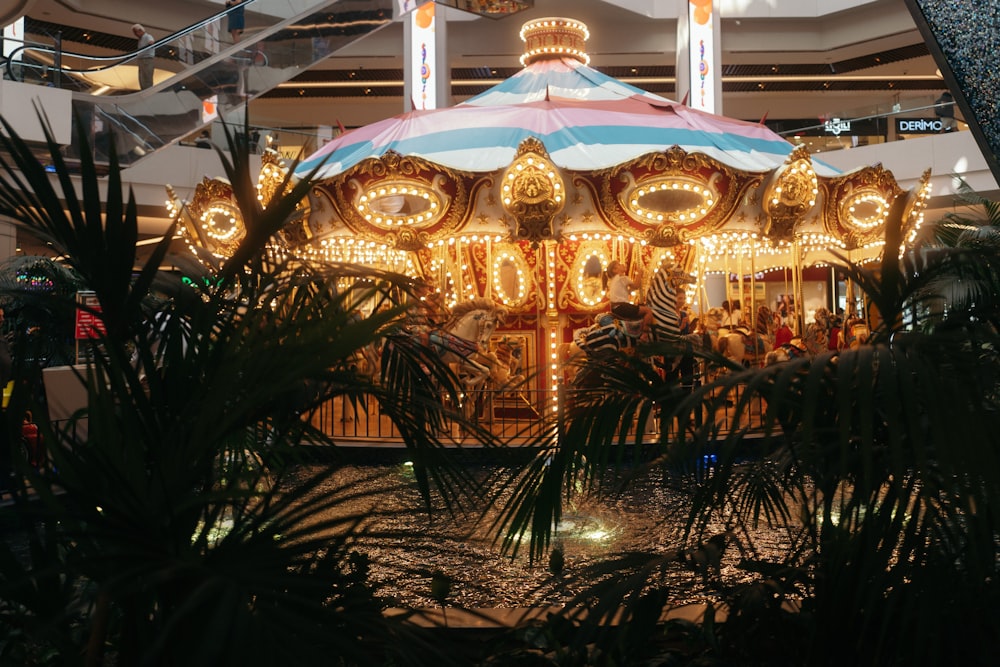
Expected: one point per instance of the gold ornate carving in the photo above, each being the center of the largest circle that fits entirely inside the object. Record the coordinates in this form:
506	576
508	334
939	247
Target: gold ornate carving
211	220
584	277
790	195
664	235
532	192
913	216
857	203
402	201
656	213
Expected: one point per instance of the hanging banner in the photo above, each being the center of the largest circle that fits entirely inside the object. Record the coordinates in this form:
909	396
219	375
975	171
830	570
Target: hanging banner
701	49
423	57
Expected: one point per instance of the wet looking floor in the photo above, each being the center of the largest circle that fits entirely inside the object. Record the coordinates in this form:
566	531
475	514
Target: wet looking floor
406	544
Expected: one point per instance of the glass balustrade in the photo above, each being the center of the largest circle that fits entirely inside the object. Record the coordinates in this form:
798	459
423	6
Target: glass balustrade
200	74
874	124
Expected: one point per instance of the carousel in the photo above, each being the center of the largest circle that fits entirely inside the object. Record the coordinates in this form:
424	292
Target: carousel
522	196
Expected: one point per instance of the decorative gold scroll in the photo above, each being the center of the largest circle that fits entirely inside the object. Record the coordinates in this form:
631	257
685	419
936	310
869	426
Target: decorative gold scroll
403	202
532	192
790	195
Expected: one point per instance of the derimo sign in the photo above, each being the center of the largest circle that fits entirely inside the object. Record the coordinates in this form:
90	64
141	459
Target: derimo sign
918	125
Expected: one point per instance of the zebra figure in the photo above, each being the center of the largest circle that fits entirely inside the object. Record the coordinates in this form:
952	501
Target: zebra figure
609	334
662	300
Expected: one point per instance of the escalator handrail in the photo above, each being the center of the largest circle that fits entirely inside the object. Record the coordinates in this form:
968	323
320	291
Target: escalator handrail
117	59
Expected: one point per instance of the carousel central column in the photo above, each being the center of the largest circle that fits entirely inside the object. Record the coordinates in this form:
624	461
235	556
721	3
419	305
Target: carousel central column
552	321
699	55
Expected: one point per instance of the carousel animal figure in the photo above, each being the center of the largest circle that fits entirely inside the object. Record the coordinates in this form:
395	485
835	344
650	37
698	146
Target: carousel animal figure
509	357
607	335
817	333
666	298
741	345
712	321
793	349
662	298
464	340
853	334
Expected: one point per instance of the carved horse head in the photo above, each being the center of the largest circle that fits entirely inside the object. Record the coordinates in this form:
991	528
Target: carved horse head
465	339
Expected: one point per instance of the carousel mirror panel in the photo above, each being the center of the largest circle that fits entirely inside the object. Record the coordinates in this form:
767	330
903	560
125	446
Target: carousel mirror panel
588	271
511	275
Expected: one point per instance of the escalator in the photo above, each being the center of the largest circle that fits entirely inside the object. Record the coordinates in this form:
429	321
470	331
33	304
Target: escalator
200	73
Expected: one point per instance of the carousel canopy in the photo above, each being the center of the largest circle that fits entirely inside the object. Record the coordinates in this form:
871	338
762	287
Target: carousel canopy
583	118
578	134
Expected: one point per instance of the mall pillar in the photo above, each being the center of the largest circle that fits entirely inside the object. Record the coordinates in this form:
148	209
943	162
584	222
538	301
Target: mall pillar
8	239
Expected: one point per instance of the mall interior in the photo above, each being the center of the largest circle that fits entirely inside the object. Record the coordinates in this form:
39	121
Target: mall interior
852	80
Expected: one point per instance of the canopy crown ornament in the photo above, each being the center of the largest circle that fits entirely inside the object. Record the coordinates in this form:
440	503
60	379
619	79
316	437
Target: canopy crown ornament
789	195
554	38
532	192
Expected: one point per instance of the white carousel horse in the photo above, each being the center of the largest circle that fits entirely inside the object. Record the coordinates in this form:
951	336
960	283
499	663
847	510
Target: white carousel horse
464	340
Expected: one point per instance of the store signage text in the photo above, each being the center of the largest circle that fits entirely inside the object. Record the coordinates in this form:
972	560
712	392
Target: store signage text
918	125
835	126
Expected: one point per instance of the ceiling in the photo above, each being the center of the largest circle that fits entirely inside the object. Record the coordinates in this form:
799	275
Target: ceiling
855	61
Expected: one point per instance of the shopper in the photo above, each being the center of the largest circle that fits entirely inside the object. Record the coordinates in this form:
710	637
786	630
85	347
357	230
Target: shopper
204	140
945	110
235	20
145	56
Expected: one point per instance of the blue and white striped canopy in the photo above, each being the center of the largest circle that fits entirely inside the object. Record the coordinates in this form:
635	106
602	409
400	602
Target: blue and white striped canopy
585	119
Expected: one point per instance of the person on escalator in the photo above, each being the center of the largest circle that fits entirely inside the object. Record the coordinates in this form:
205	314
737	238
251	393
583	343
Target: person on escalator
144	59
235	20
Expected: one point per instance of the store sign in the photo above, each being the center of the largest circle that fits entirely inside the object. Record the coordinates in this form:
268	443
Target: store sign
918	125
836	127
88	317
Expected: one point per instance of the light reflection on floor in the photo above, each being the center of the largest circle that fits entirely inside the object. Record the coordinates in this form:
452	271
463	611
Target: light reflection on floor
412	543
